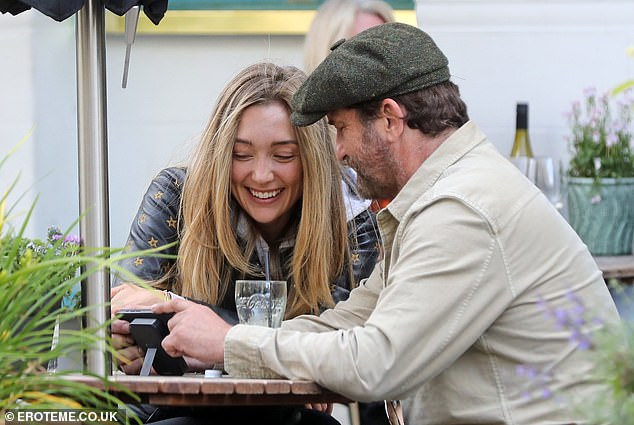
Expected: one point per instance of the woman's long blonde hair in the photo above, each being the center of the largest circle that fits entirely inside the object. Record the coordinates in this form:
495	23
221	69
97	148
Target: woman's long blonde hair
333	21
209	248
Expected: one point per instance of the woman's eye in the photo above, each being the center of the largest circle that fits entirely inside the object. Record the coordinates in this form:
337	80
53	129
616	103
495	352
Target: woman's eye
284	157
241	156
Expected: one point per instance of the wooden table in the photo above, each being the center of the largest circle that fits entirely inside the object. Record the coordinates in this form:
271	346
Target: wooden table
619	267
195	390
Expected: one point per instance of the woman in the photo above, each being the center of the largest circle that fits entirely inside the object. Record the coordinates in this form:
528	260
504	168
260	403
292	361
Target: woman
256	185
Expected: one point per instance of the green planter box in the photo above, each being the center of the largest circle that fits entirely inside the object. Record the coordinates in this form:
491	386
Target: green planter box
606	227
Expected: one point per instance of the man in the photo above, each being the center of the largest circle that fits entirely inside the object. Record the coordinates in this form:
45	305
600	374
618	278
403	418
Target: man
477	262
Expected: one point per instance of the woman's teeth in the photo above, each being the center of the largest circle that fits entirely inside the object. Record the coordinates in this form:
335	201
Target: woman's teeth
265	195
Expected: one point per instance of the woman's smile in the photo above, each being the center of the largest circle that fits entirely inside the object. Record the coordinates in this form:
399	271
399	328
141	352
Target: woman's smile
265	195
266	169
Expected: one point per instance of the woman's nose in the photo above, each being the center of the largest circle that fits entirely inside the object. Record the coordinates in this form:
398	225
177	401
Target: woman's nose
263	171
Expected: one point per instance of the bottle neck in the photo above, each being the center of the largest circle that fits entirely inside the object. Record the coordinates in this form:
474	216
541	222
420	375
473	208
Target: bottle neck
521	144
521	119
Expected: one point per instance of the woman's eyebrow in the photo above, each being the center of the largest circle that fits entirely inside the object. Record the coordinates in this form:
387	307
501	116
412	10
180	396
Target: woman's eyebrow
276	143
285	142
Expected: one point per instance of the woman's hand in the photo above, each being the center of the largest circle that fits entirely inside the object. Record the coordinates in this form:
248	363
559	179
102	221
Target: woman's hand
321	407
129	356
127	295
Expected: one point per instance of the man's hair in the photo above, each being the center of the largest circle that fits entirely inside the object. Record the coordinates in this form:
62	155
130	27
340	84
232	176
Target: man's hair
431	110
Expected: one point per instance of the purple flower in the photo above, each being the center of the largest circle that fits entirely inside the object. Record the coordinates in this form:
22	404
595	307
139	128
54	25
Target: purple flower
53	233
546	392
611	140
72	239
580	339
526	372
589	91
561	317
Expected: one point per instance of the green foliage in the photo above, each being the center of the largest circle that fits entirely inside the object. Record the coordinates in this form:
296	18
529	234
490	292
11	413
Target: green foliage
601	136
613	355
57	244
34	278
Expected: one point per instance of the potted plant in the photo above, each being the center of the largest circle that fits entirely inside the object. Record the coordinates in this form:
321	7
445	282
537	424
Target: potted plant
601	172
34	279
56	244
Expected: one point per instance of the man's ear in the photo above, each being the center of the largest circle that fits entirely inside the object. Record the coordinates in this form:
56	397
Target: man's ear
393	114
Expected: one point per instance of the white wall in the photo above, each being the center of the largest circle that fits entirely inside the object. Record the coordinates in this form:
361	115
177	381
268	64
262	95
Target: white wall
544	52
541	51
37	70
16	106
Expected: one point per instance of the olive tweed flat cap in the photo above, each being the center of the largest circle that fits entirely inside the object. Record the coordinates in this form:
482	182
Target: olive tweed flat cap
383	61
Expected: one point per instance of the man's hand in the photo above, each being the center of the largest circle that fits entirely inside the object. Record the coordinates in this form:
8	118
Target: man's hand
195	331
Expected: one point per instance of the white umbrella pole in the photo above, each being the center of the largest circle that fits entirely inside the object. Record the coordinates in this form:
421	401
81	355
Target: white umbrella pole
93	167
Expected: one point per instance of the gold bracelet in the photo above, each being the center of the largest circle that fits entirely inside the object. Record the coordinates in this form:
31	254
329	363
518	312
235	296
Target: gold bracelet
167	295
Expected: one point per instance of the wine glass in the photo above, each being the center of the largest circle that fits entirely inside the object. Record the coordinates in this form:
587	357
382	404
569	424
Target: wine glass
526	166
546	178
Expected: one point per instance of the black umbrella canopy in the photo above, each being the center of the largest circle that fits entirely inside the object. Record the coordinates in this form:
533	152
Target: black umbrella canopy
62	9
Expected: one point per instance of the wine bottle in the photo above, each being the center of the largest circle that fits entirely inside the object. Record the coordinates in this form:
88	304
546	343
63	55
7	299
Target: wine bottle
522	143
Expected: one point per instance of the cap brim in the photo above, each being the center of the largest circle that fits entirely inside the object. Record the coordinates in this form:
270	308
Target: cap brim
302	120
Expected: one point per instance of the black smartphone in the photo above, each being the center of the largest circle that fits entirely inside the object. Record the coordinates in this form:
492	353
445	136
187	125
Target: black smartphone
148	330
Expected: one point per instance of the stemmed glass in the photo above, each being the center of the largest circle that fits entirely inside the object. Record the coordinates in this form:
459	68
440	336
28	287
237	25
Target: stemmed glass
526	165
547	179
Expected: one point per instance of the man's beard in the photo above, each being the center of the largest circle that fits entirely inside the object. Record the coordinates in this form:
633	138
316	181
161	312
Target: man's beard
376	168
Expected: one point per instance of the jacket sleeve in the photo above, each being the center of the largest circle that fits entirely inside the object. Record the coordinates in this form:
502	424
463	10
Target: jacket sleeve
155	225
365	250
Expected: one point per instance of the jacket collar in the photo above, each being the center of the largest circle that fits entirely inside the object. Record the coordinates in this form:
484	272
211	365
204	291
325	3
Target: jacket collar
243	228
451	150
